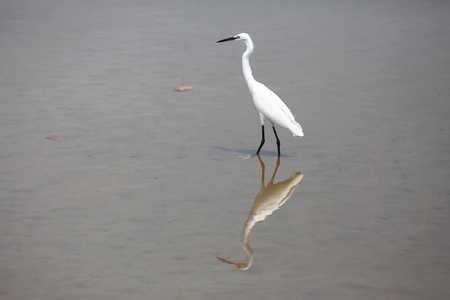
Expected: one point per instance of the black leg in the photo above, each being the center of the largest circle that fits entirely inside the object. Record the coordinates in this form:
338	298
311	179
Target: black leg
278	141
262	139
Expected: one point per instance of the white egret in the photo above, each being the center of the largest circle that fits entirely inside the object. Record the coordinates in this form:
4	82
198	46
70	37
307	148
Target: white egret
269	105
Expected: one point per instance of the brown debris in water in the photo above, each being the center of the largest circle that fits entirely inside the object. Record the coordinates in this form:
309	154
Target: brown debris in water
183	87
55	138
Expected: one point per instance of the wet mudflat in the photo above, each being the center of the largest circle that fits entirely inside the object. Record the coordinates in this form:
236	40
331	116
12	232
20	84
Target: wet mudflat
140	188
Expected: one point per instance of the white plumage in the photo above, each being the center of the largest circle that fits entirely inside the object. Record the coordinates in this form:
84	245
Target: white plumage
269	105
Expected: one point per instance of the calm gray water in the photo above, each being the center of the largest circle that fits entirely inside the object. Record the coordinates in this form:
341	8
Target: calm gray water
148	186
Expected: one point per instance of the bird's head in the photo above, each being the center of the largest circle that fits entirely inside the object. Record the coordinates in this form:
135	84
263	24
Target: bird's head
240	37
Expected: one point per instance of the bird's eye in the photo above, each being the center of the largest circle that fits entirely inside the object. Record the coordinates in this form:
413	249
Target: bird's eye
237	37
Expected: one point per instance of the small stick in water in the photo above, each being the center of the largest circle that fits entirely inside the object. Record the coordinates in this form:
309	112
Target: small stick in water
183	87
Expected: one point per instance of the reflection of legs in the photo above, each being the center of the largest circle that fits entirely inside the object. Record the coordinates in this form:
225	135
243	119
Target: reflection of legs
278	141
263	170
275	171
262	139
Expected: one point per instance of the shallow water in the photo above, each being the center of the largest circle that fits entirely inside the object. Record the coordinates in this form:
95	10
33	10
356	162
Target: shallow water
148	186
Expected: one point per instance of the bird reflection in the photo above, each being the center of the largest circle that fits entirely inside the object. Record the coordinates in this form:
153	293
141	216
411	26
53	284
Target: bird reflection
268	200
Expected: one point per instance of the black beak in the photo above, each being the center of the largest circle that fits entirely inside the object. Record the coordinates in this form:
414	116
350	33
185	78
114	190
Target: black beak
227	39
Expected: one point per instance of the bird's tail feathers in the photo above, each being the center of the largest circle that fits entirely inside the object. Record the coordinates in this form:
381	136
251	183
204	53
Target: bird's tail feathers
296	130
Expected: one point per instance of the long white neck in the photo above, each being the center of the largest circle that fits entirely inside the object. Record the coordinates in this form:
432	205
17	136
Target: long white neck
246	64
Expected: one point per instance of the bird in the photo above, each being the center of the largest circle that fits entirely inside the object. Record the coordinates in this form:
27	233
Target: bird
269	105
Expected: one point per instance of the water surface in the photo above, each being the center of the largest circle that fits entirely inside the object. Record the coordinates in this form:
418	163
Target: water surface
147	186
